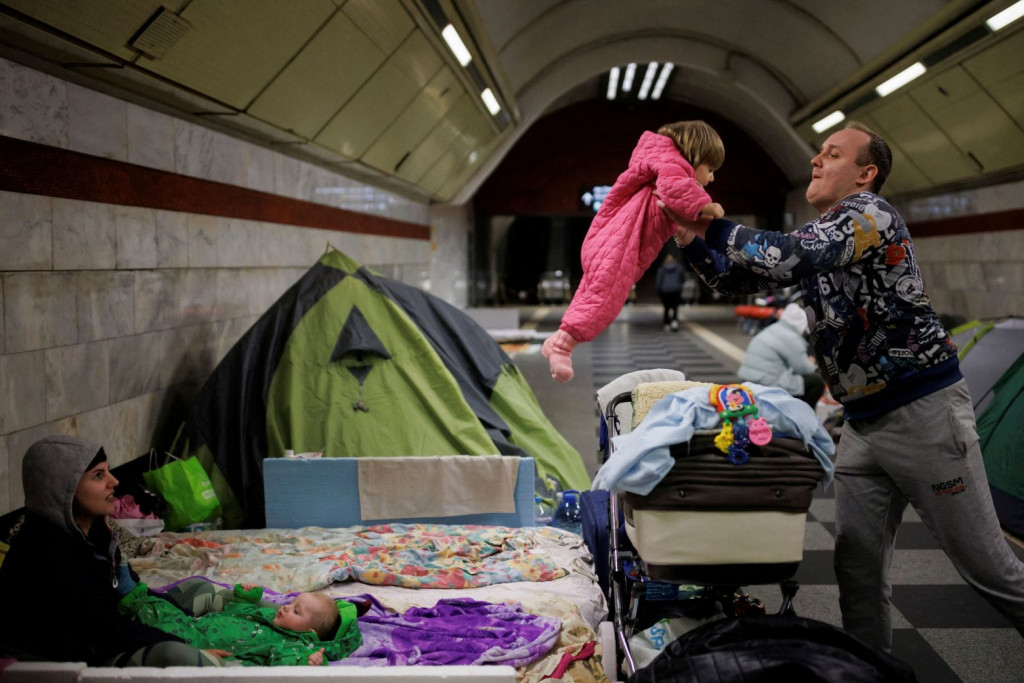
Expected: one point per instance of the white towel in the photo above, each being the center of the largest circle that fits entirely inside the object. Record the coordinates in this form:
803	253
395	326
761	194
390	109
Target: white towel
436	486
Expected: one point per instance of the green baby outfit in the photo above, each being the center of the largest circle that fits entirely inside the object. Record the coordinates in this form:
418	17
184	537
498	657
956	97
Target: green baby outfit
244	626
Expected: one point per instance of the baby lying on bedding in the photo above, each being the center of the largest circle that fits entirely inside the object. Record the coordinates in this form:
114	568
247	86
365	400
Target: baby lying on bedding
238	625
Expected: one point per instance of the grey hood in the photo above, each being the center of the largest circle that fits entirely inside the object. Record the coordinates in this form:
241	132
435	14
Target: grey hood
50	474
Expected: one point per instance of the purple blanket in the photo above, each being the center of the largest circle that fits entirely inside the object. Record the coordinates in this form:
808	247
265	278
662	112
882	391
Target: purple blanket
454	631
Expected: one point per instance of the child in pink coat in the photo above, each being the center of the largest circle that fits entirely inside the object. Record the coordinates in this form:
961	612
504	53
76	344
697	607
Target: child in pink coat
629	230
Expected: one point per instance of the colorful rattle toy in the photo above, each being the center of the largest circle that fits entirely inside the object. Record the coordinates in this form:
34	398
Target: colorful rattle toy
734	403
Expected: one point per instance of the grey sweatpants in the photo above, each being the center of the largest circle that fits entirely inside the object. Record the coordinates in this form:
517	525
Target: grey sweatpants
925	453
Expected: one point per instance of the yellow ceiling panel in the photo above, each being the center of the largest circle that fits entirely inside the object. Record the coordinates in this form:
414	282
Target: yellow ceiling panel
385	22
369	112
1000	71
321	78
417	58
972	119
1000	61
905	175
236	47
441	171
431	148
476	131
1009	93
415	122
928	147
107	24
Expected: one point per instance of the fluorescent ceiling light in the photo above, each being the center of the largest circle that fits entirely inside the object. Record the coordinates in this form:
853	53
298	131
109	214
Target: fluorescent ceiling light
829	121
662	79
491	101
645	87
1007	16
627	81
900	79
613	82
458	48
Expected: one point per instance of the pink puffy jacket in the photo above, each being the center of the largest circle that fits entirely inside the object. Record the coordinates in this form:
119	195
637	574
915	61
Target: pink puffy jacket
629	231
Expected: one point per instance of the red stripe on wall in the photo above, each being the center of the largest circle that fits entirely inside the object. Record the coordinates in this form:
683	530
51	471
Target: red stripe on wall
985	222
32	168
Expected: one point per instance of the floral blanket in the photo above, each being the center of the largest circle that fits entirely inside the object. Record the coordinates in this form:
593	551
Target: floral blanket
407	555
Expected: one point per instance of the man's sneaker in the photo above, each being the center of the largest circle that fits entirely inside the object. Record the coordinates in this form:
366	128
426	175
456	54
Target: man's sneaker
675	325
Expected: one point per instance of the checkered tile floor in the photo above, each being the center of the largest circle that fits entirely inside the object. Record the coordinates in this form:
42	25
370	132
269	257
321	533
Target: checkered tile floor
942	628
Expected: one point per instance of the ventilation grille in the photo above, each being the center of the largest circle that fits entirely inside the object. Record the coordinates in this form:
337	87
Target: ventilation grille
158	35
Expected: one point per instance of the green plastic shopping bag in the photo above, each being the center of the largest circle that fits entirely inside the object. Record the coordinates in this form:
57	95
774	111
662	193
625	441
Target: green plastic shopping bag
185	486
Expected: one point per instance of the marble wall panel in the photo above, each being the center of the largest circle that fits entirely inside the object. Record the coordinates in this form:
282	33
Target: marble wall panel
39	311
142	363
230	161
34	106
239	244
174	298
202	240
26	232
260	169
136	237
193	150
22	391
76	379
150	138
84	235
172	232
1005	276
3	342
97	123
197	297
115	427
234	292
105	304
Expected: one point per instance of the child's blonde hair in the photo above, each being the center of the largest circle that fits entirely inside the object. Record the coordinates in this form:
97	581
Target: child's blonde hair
697	142
327	618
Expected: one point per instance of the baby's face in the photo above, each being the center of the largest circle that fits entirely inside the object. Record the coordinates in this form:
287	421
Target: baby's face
705	174
299	614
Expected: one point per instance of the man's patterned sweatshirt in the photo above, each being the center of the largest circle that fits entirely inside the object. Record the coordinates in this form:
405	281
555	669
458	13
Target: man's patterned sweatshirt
629	230
878	341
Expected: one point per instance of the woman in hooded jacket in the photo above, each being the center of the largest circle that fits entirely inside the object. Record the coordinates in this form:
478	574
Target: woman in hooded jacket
63	576
778	356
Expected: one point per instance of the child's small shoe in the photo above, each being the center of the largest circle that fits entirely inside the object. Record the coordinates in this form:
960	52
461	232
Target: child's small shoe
558	350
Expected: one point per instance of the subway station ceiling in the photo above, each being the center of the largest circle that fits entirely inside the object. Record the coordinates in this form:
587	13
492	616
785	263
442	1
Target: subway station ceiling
371	89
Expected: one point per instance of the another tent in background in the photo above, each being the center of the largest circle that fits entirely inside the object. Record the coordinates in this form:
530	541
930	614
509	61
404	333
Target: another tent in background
355	364
992	361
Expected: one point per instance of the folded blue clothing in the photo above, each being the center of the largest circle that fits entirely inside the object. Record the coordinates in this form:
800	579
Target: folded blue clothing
640	459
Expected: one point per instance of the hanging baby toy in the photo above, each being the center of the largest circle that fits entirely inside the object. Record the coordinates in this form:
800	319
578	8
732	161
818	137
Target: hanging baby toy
735	403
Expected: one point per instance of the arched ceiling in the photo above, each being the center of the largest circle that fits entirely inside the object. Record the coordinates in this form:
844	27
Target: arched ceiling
368	87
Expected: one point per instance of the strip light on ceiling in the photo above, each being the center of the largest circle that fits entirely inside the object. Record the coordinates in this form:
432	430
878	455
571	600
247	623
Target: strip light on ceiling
645	86
455	44
901	79
491	101
824	124
659	86
627	82
652	86
613	82
1006	17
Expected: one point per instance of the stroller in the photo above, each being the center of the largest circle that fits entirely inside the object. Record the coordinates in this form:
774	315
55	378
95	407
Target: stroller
708	528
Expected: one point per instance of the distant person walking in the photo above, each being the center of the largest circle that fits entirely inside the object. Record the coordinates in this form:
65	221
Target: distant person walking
668	283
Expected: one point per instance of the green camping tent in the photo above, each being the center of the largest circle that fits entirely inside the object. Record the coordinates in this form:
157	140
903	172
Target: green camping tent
355	364
992	362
